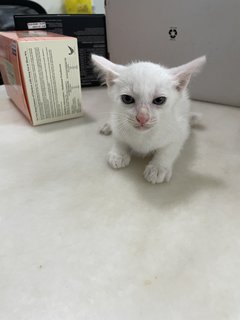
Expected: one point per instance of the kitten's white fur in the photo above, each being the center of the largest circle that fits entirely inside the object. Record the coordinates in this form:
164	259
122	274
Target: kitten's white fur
168	125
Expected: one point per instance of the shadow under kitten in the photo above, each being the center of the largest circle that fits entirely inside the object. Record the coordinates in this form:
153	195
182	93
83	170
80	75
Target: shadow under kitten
185	182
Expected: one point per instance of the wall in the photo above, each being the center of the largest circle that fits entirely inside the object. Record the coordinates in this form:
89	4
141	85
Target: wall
56	6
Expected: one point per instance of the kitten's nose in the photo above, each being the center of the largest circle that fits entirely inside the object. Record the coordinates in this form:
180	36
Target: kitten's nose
142	117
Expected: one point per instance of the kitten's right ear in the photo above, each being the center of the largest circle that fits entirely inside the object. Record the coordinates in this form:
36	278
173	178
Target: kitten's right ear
108	70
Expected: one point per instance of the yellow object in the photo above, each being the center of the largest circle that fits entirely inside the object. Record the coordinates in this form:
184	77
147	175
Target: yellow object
78	6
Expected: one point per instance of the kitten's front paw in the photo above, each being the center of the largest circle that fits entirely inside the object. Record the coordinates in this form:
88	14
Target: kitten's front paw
157	174
118	161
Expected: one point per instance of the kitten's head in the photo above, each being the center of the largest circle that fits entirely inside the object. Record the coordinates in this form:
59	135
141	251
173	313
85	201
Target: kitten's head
144	92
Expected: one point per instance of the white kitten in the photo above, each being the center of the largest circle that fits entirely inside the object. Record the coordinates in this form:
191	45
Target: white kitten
151	113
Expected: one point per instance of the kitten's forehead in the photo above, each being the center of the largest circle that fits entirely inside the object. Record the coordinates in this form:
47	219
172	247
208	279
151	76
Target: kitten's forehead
145	79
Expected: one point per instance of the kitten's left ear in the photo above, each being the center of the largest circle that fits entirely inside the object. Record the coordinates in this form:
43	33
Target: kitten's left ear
109	71
182	74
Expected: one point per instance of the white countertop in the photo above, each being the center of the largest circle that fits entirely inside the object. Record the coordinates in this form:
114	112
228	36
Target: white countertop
82	241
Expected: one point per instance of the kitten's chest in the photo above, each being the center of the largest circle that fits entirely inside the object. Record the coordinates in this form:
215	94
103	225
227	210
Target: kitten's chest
144	142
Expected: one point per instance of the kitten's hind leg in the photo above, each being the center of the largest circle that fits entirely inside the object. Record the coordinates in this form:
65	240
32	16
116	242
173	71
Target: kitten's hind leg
195	119
106	129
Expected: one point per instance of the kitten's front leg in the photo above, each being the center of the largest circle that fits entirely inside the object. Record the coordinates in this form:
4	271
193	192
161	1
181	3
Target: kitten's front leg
119	156
159	168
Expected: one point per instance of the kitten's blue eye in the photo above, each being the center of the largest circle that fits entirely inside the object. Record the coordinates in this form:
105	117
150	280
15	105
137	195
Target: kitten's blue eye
159	101
127	99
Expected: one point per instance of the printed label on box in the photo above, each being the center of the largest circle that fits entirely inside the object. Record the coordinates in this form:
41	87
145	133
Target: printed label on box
52	80
37	25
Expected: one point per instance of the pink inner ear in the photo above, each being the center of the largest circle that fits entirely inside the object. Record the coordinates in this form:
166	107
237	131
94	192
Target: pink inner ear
182	81
111	78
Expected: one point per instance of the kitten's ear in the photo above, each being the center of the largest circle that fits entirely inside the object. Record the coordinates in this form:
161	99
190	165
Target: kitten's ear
182	74
108	70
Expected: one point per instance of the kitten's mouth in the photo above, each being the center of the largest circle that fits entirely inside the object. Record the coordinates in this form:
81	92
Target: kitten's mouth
142	127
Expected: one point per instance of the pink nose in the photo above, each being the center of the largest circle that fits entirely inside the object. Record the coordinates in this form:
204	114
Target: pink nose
142	118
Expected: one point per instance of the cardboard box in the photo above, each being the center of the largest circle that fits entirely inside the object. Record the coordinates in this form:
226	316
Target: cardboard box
42	75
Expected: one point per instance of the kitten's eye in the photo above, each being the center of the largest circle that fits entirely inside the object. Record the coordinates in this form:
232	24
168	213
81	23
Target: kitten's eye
159	101
127	99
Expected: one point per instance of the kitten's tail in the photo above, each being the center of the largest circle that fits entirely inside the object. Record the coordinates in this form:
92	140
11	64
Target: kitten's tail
195	119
